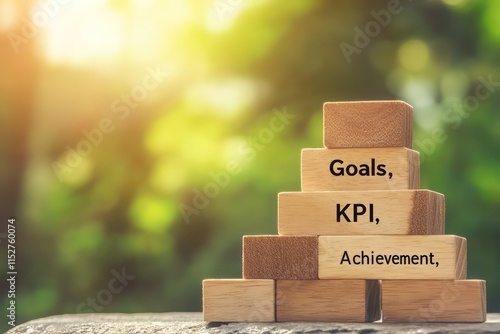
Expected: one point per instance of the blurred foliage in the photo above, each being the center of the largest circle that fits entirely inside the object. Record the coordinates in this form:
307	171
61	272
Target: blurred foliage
232	65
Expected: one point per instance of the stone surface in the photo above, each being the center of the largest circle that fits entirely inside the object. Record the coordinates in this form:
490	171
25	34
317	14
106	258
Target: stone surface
191	323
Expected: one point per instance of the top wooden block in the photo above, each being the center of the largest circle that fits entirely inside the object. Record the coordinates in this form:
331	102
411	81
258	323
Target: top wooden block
367	124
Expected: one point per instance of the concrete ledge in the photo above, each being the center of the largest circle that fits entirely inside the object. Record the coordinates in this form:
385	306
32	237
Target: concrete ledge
191	323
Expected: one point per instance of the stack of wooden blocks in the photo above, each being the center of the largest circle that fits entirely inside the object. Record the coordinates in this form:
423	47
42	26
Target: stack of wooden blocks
360	242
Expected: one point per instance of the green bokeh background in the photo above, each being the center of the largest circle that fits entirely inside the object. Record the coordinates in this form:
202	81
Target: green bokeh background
231	66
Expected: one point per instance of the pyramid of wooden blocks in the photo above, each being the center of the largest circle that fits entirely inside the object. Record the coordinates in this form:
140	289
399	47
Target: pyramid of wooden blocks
361	242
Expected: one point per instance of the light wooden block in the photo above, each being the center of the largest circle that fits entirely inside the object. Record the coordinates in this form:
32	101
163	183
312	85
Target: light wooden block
328	300
367	124
392	257
238	300
369	169
361	212
280	257
434	301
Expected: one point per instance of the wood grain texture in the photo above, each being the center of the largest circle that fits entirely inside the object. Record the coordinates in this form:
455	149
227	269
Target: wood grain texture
393	257
328	300
238	300
401	165
434	300
367	124
280	257
361	212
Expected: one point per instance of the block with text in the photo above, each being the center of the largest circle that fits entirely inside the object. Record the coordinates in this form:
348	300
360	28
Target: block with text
361	212
392	257
359	218
360	169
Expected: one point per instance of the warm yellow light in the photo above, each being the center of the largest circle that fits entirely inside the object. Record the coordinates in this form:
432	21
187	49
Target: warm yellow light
152	213
9	14
414	55
142	31
454	2
222	13
225	97
155	26
169	175
80	37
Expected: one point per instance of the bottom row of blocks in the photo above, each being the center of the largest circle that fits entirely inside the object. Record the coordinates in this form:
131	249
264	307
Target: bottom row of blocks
256	300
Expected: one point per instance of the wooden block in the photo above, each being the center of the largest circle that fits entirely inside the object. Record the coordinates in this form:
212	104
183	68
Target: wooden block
280	257
392	257
360	169
361	212
328	300
238	300
367	124
434	301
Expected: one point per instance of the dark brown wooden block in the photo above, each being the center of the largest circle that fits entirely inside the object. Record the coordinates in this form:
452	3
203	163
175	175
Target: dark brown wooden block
280	257
328	300
434	300
367	124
